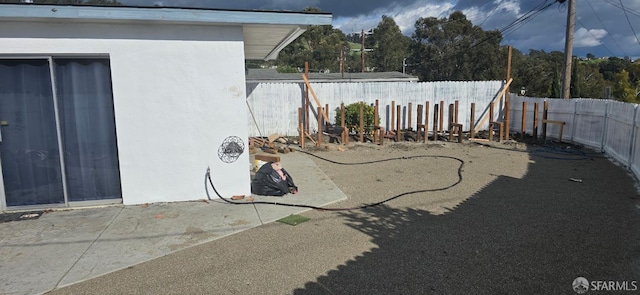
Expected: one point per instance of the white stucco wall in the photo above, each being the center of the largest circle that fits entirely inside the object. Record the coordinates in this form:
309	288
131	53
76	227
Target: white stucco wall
178	90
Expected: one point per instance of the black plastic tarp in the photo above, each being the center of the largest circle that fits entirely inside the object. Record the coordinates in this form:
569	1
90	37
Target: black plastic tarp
268	182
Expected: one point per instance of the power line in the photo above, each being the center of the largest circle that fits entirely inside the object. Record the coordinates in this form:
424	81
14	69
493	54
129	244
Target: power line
632	11
520	22
627	16
525	18
605	27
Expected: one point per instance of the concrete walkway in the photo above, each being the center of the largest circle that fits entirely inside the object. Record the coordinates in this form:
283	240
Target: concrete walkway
65	247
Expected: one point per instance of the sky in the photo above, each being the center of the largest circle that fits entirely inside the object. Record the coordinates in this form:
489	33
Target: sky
603	27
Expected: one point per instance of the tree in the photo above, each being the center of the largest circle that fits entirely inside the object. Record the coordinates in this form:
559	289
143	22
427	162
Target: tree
390	46
319	45
589	80
538	72
622	89
455	49
613	66
352	117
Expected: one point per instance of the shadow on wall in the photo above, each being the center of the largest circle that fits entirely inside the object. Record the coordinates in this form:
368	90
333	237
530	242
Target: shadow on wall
534	235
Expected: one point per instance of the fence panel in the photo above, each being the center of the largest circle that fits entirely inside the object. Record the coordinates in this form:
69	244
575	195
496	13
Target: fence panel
560	110
635	158
283	100
516	113
619	125
275	106
589	123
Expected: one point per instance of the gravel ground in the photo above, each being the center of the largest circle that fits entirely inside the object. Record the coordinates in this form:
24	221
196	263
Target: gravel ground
466	219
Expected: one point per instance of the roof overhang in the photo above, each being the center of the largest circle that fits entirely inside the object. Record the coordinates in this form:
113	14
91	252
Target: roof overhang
265	33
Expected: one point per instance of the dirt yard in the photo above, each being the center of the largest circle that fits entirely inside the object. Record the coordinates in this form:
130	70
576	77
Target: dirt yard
522	219
464	219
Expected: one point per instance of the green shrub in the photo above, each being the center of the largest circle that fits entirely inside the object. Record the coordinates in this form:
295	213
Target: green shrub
352	117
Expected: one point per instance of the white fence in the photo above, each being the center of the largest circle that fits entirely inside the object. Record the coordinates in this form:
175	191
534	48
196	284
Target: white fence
275	105
606	125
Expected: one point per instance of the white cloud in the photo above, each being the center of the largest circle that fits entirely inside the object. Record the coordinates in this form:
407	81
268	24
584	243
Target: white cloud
588	38
404	16
406	19
480	14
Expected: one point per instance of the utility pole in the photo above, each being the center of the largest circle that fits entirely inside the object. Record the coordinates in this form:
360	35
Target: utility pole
342	61
362	50
404	66
568	50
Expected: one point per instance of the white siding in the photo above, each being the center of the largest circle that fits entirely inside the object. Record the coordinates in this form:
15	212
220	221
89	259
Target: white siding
179	91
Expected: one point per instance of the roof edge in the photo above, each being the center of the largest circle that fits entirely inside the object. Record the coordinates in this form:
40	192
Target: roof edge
29	11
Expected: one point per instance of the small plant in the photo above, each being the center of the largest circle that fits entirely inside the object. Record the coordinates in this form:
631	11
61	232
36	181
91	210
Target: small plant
352	117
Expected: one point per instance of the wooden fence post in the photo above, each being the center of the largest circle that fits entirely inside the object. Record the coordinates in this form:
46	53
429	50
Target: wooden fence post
301	128
545	116
326	113
472	130
345	132
376	122
419	123
436	115
441	129
398	122
362	121
451	120
393	114
535	121
524	118
319	126
491	120
409	121
426	122
455	112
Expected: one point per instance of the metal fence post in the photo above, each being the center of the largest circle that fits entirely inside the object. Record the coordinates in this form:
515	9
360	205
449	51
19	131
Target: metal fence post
605	125
633	136
575	119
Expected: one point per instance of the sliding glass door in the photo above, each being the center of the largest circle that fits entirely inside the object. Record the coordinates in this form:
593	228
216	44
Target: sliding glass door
29	150
58	140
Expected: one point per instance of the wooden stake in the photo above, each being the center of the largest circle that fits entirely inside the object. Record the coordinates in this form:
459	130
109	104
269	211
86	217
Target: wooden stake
426	122
345	132
419	123
409	121
491	120
320	111
472	130
535	121
306	99
362	121
315	97
326	113
376	122
524	118
399	109
452	116
455	112
393	114
301	128
441	129
497	98
436	114
545	116
507	117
